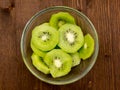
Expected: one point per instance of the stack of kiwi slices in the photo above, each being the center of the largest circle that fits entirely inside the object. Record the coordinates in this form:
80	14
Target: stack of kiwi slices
59	45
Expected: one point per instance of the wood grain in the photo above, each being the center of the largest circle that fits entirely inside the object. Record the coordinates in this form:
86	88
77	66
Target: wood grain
105	15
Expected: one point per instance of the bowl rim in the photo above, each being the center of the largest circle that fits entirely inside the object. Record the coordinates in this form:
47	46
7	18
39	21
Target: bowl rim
55	8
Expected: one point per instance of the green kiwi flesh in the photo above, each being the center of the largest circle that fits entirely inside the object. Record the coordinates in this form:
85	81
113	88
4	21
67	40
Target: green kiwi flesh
37	51
75	59
71	38
45	37
39	64
59	62
88	48
59	45
59	19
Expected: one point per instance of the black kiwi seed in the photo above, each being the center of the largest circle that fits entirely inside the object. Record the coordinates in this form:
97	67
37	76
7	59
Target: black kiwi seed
72	44
39	36
56	57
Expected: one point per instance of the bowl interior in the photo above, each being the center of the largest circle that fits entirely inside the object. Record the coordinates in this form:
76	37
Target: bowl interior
44	16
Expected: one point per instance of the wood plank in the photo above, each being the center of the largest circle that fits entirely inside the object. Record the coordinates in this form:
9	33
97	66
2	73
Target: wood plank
115	27
99	13
104	14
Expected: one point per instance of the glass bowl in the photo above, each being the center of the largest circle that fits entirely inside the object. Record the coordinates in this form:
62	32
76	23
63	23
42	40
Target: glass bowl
43	16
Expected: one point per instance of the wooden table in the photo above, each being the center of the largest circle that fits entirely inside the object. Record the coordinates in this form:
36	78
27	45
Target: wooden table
105	15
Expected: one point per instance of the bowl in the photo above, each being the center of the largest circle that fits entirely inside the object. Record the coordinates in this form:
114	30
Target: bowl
77	72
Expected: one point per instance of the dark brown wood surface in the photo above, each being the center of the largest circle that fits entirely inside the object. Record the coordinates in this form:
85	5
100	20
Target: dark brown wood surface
105	15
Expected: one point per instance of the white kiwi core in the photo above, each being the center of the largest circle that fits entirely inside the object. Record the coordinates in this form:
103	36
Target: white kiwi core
70	37
44	37
57	63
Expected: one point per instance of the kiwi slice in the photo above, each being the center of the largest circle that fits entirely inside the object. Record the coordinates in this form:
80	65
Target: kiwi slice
39	64
71	38
88	47
37	51
59	19
45	37
75	59
59	62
